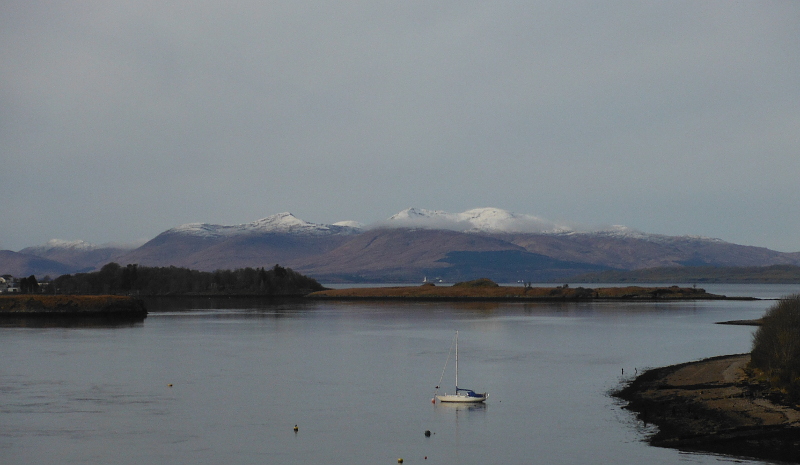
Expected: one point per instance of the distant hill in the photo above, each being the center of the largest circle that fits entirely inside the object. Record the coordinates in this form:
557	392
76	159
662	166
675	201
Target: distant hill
76	255
412	245
21	265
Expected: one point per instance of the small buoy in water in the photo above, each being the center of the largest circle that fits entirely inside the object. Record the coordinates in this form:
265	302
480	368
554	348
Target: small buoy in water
433	401
399	460
426	457
169	385
427	433
296	428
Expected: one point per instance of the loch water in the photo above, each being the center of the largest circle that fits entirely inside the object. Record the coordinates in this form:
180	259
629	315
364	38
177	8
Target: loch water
225	382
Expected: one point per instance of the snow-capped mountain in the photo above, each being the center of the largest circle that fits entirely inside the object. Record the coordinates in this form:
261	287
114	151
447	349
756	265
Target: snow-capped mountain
412	243
278	223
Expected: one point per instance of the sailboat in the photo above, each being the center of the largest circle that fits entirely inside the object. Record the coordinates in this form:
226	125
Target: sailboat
461	395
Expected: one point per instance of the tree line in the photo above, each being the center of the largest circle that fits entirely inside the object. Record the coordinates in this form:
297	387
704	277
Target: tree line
143	280
29	285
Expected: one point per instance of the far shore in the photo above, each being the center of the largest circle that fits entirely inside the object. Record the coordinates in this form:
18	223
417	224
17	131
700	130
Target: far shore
712	406
493	292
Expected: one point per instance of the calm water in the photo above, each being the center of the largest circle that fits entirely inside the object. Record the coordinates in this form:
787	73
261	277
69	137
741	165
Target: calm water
356	378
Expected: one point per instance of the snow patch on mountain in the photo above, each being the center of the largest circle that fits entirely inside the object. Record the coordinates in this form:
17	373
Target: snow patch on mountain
60	244
349	224
475	220
75	245
496	220
624	232
279	223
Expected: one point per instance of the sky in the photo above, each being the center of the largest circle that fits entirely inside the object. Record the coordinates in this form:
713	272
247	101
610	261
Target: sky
119	120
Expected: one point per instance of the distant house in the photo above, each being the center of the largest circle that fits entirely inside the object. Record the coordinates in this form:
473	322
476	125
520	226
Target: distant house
9	285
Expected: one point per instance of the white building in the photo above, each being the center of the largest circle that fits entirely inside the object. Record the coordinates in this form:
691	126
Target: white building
9	286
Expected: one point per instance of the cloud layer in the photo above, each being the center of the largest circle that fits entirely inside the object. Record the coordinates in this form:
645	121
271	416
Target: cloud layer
119	120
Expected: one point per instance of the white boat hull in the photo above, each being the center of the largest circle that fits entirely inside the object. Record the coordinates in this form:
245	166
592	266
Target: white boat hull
462	398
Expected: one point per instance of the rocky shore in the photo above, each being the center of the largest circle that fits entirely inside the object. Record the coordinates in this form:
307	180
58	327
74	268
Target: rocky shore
712	406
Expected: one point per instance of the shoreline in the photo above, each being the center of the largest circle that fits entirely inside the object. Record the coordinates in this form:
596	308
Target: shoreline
515	299
711	406
495	293
70	306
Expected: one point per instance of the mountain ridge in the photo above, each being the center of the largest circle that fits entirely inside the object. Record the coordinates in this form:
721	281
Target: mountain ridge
412	244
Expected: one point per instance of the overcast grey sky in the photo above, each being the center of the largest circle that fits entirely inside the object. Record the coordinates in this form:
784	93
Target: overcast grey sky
119	120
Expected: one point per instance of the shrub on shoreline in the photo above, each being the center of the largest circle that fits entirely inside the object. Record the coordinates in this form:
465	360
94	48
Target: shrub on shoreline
776	346
482	282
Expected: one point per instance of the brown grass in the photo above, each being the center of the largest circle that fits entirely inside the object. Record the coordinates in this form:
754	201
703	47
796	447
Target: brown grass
427	291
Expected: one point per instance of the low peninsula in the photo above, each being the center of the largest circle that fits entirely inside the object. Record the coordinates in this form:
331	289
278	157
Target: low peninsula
714	406
487	290
741	405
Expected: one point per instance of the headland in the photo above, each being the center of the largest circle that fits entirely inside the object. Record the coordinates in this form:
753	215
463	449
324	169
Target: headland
713	406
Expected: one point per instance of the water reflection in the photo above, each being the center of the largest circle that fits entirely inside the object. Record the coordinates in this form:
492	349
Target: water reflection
224	381
184	303
456	407
72	321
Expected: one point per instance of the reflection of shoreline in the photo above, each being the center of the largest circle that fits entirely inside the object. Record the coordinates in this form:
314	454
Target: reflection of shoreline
64	305
710	406
70	321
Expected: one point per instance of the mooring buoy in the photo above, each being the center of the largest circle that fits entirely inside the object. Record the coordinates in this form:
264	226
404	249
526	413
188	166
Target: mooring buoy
296	428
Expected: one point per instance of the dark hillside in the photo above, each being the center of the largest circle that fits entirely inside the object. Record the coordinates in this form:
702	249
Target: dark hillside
661	251
398	254
775	274
77	259
509	266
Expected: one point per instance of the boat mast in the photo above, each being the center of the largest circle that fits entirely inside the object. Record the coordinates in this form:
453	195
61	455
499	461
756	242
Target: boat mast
456	362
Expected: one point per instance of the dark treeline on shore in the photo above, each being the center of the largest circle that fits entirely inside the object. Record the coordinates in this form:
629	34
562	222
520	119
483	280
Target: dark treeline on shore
143	280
